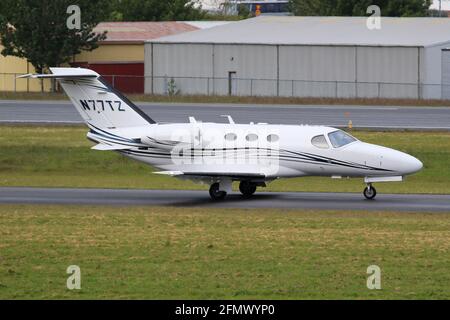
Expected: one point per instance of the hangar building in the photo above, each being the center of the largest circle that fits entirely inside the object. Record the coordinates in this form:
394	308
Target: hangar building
304	57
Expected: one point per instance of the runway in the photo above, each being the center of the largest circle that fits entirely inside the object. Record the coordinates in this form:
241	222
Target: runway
383	117
181	198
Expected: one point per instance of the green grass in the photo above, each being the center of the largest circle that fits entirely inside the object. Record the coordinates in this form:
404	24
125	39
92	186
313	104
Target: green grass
61	157
242	99
189	253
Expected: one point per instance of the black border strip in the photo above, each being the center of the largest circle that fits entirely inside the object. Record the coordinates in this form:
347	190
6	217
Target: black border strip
127	101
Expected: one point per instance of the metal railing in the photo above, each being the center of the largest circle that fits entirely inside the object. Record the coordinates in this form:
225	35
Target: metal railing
168	85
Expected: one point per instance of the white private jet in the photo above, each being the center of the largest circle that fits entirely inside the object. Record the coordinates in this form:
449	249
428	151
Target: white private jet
218	153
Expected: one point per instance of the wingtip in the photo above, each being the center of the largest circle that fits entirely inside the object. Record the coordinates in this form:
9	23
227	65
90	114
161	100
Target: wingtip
28	75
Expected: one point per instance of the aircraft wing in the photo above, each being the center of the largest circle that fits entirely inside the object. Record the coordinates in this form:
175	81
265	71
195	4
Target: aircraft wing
214	174
109	147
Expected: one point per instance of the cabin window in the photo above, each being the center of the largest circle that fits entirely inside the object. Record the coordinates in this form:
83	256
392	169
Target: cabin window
230	136
251	137
272	138
340	138
320	142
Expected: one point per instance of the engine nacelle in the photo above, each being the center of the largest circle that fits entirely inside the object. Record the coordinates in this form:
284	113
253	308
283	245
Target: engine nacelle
169	136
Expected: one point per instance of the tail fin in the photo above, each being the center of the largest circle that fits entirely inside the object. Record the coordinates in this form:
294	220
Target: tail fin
98	103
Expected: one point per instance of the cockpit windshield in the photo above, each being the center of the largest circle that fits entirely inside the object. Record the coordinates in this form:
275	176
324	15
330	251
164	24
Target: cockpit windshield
340	138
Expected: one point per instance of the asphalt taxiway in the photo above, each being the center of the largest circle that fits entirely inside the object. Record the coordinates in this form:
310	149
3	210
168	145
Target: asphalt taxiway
182	198
371	117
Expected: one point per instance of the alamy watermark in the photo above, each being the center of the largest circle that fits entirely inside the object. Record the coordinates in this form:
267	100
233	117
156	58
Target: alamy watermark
374	21
256	145
74	280
73	22
374	278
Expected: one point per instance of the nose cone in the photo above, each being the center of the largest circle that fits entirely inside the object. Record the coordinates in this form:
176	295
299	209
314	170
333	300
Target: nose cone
396	161
403	163
411	165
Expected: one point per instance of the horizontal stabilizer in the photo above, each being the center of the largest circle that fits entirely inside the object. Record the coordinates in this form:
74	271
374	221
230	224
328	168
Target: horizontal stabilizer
56	76
108	147
64	73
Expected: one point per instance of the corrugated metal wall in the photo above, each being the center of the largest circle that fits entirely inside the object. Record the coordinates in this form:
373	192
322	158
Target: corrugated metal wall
317	69
271	70
255	62
395	70
189	66
431	74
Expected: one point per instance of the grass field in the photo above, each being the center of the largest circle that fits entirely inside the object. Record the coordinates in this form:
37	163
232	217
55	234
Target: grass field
61	157
181	253
242	99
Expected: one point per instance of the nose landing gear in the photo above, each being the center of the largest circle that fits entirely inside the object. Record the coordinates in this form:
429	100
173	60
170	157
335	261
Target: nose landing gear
370	192
215	193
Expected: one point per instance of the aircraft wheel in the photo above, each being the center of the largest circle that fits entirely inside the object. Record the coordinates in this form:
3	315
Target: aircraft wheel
215	193
247	188
370	192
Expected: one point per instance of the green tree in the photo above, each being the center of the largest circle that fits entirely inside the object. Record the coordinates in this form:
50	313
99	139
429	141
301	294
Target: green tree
38	32
156	10
390	8
243	11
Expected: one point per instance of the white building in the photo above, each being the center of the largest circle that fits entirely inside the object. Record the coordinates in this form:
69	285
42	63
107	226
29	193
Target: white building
305	56
444	5
231	7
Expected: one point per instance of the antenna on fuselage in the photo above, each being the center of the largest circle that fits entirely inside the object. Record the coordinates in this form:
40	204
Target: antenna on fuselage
230	119
192	120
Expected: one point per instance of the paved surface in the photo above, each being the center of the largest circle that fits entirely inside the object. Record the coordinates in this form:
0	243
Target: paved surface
338	116
288	200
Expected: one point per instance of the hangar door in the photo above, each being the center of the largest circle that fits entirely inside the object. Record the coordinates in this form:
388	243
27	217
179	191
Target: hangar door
445	68
127	77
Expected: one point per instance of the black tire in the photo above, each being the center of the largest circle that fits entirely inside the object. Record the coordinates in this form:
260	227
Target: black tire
370	192
215	193
247	188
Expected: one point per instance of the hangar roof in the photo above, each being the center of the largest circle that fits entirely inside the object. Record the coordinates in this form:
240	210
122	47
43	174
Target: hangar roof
138	32
410	32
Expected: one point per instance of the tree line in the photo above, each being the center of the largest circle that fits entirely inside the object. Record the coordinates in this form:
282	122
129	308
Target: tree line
389	8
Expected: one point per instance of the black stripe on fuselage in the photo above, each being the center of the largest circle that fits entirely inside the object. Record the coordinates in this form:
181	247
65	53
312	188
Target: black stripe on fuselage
292	155
151	153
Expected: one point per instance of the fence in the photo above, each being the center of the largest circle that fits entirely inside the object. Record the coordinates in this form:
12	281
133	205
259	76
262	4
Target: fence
166	85
293	88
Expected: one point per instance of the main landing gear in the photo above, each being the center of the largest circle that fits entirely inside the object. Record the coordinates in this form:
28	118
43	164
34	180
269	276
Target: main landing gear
247	188
370	192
